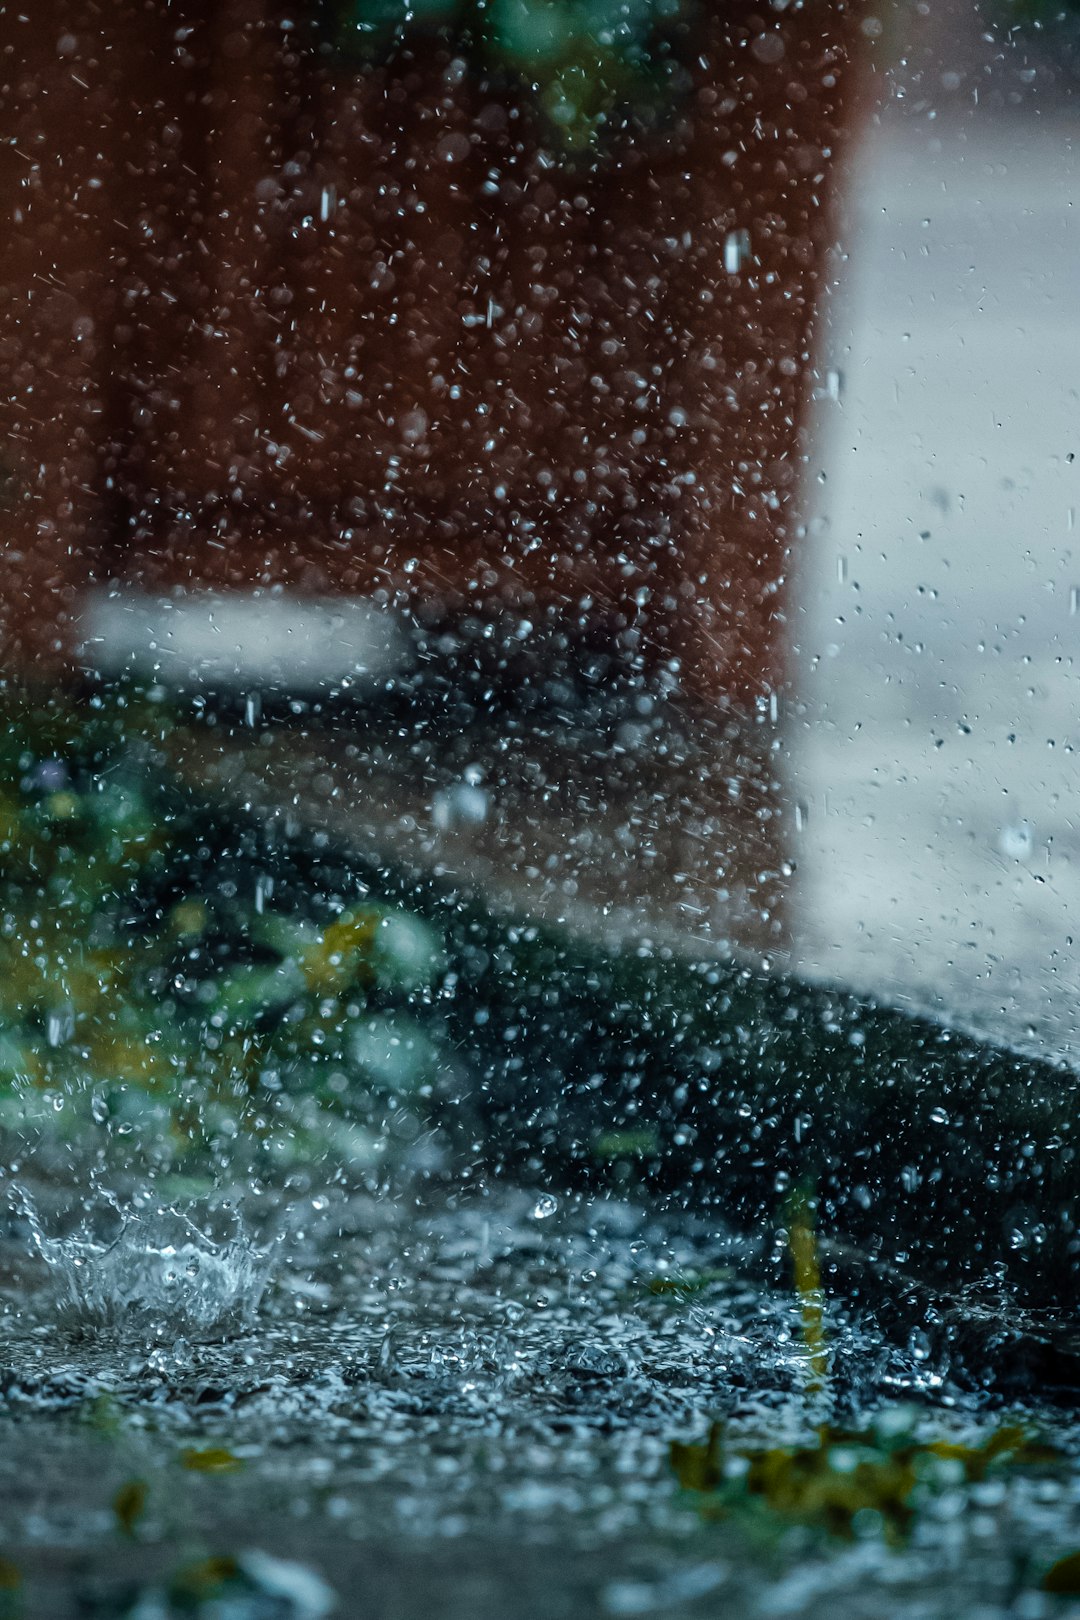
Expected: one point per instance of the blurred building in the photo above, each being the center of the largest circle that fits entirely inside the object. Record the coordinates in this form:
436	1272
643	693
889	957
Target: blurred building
489	326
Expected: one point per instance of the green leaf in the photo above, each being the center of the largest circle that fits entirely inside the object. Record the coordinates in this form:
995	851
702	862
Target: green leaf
102	1414
636	1144
687	1284
252	992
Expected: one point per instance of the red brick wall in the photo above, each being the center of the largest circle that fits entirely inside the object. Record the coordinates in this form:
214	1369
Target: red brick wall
293	335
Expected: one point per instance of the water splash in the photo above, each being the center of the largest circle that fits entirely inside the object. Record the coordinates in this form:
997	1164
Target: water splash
158	1277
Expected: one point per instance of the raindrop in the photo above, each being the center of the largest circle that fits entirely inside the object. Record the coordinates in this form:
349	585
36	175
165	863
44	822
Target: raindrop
452	148
60	1025
414	426
736	251
463	804
768	48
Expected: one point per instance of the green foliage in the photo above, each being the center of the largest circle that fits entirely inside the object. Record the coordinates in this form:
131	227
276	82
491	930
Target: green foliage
101	1414
848	1481
687	1285
588	63
146	987
201	1583
641	1143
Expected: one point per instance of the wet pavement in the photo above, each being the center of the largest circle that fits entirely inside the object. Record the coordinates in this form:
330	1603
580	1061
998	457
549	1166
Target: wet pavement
448	1404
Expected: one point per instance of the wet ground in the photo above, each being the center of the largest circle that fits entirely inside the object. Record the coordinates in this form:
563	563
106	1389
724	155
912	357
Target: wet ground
466	1411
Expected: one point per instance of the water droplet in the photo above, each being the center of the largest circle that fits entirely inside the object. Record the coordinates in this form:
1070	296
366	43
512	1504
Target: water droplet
545	1205
414	426
768	48
465	804
60	1026
736	251
161	1275
1017	841
453	148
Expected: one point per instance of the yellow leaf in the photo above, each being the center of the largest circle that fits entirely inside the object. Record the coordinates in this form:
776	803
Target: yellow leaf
807	1276
699	1467
344	954
211	1460
188	918
129	1505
